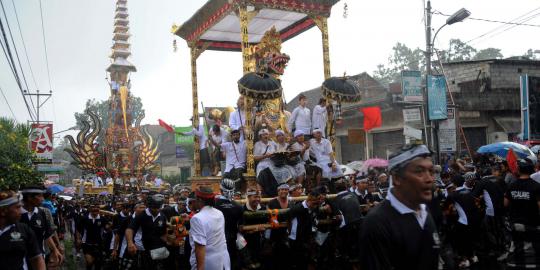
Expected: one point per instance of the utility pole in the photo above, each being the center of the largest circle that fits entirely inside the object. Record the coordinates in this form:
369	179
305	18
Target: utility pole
39	103
430	136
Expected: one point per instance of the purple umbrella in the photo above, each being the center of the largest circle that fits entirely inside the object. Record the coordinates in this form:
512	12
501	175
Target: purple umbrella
104	193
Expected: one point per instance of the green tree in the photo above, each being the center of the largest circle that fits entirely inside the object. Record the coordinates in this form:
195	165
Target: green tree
488	53
530	54
101	109
16	168
458	51
402	58
70	171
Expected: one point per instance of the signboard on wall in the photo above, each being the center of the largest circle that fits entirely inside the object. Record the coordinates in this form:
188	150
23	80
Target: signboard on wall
447	133
411	85
436	86
356	136
41	140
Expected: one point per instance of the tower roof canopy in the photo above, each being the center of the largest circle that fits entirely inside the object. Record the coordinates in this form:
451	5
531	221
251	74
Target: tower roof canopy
218	24
121	64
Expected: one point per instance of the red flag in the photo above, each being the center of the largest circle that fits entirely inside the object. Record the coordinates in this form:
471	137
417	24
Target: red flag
372	117
165	125
512	161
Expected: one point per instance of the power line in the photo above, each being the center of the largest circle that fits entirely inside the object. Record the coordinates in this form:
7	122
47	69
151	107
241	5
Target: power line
16	51
45	45
24	45
508	28
492	21
9	106
9	57
515	20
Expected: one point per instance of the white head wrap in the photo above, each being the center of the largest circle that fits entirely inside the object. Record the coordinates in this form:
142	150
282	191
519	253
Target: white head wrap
407	156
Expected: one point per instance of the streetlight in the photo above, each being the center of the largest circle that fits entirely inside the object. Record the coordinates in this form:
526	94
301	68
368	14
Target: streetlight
458	16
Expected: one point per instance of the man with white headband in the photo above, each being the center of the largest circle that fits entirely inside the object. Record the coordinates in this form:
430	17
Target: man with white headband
321	149
18	243
400	233
302	146
278	236
281	141
263	150
232	212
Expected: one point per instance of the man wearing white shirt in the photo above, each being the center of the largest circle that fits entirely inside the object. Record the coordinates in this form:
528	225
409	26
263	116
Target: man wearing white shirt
203	146
301	117
218	135
207	234
321	149
320	116
234	153
263	150
237	119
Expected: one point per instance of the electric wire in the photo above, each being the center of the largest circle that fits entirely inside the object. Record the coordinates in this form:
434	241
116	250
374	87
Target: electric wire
9	57
45	46
492	21
507	29
24	45
9	106
16	51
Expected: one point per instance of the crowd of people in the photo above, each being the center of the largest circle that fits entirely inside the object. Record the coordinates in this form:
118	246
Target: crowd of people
411	215
298	151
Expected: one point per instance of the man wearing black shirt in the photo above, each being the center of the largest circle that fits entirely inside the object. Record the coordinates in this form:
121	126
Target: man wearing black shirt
254	238
120	224
232	212
347	206
18	243
89	233
467	227
154	229
175	258
303	228
34	216
400	233
523	202
278	237
493	196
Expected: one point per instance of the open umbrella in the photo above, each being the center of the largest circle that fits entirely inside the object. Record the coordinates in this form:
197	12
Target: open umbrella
501	149
376	163
259	86
341	89
55	189
535	149
356	165
346	170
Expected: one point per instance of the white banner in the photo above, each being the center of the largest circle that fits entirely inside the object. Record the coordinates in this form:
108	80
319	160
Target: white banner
412	132
447	133
411	115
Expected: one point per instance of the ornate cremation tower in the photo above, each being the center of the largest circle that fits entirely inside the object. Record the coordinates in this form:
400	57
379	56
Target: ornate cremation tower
128	149
124	143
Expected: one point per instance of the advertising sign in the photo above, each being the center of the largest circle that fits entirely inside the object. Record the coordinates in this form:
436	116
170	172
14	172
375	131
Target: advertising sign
412	132
447	133
181	139
411	85
180	152
524	94
436	87
41	140
412	115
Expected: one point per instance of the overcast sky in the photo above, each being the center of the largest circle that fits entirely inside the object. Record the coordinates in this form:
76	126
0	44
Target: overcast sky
79	37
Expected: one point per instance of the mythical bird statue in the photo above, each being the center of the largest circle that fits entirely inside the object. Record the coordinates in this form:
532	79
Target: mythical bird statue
84	151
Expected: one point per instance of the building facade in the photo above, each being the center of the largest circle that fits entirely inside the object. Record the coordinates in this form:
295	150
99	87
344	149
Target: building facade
485	94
